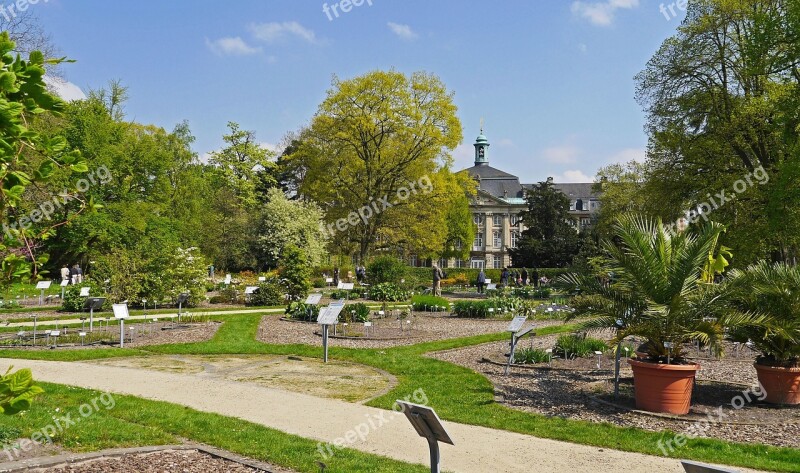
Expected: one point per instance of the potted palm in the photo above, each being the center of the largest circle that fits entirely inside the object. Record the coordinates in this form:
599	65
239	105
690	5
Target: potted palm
774	291
657	294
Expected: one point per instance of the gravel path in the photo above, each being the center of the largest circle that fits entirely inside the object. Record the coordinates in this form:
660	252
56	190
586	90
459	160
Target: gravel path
477	449
563	394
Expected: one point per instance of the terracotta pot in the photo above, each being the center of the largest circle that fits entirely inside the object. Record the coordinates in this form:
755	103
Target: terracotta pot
782	385
663	388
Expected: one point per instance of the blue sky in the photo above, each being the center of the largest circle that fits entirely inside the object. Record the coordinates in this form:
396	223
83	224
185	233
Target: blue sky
553	79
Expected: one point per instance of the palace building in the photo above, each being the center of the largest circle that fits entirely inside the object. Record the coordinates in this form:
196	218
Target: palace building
496	207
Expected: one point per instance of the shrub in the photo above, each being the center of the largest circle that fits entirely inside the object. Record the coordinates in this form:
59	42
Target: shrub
424	302
358	312
576	346
73	302
530	292
302	311
349	295
269	292
385	269
227	295
387	292
527	356
218	300
471	309
296	272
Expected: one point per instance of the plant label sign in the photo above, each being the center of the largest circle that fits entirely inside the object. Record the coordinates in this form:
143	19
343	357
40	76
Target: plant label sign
491	287
262	278
250	290
65	283
329	315
347	286
43	284
85	291
120	311
516	323
313	299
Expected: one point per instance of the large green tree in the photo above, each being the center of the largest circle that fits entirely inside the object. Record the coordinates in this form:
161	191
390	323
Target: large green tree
549	240
372	138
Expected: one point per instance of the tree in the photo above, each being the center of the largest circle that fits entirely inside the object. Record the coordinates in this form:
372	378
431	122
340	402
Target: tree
623	189
723	103
286	222
372	137
241	161
295	272
548	240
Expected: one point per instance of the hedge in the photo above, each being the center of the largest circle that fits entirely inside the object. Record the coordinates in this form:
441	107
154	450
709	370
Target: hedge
426	274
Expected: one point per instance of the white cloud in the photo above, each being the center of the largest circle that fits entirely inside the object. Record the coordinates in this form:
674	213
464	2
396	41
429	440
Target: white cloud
583	48
601	13
272	32
575	175
403	31
65	89
629	154
565	154
231	47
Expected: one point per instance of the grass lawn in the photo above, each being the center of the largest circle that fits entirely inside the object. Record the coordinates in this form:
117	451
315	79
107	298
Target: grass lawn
459	394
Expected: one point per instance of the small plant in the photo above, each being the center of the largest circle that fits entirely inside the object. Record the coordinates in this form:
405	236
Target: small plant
385	269
17	391
529	356
74	302
424	302
387	292
269	292
358	312
576	346
302	311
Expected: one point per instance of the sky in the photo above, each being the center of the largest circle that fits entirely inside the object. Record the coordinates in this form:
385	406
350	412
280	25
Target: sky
553	80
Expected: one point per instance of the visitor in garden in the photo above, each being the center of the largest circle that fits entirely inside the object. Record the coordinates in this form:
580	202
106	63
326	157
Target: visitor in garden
336	277
481	282
73	274
535	278
524	277
438	275
79	273
504	277
64	273
361	274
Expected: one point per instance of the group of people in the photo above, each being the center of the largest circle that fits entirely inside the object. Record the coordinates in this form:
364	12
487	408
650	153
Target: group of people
74	274
513	278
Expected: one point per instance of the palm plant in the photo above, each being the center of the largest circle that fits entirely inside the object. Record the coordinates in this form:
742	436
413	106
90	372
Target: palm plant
774	291
657	292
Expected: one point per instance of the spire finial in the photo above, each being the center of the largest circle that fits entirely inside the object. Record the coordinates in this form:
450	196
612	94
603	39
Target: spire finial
481	125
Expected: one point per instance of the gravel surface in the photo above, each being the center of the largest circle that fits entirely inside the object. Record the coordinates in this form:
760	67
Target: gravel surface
182	461
423	328
574	395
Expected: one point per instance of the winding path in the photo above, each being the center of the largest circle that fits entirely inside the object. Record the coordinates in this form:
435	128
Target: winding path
385	433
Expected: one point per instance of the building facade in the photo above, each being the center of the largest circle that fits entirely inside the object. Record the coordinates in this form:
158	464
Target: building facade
497	205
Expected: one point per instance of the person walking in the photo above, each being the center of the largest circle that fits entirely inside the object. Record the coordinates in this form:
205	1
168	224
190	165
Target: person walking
481	282
504	277
79	272
535	278
438	275
336	277
65	273
524	277
73	274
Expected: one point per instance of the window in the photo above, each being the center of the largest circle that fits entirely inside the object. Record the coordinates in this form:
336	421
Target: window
586	222
579	205
457	244
443	263
497	239
498	262
413	261
478	219
515	220
497	220
477	263
572	205
514	239
478	242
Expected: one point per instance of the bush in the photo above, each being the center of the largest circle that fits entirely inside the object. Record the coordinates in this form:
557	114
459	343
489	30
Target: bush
218	300
358	312
349	295
302	311
530	292
387	292
296	272
576	346
385	269
528	356
269	292
424	302
73	302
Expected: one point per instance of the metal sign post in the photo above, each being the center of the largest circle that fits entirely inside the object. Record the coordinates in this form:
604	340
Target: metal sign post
93	303
428	425
121	313
514	327
312	299
42	285
181	300
64	285
328	316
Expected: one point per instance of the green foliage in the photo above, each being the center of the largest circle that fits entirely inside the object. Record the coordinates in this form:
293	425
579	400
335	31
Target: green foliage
347	294
425	302
387	292
270	292
529	356
774	291
303	311
17	391
185	272
499	306
385	269
73	302
530	292
548	240
358	312
7	434
295	272
240	160
576	346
